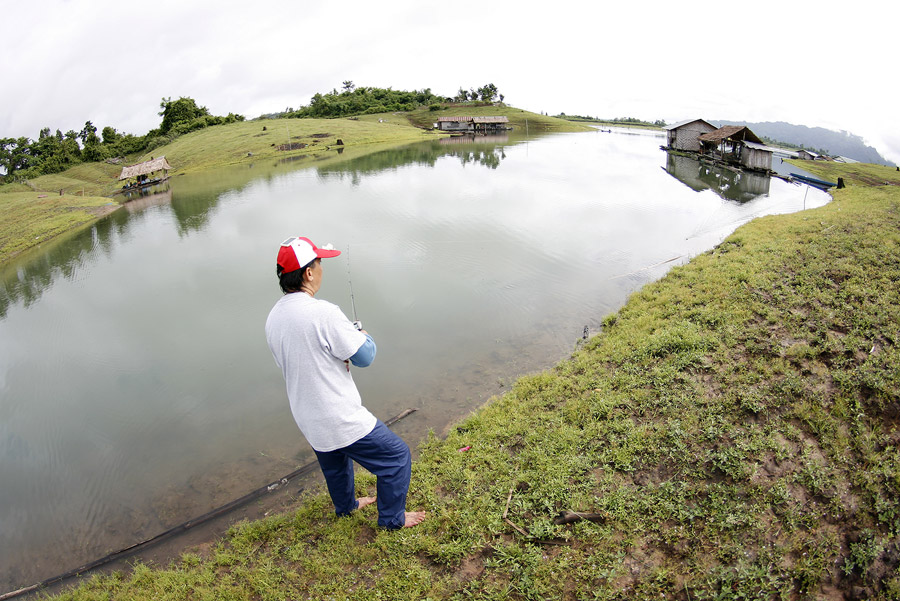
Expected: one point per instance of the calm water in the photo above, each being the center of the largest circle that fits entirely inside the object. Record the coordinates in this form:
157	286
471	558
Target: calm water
136	388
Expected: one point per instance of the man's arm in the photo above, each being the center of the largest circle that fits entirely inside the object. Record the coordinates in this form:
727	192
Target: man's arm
366	353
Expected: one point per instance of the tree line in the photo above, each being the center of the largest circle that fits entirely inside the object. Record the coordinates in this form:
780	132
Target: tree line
352	100
22	158
53	152
616	120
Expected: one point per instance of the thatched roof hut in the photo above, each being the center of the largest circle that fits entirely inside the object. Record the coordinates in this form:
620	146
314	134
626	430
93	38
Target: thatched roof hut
145	168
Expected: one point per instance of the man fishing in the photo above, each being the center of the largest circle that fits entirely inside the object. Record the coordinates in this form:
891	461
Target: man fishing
314	344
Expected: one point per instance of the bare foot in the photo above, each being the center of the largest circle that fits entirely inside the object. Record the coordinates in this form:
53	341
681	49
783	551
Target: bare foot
363	501
414	518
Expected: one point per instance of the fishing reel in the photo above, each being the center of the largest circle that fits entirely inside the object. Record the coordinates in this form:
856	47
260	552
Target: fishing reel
358	325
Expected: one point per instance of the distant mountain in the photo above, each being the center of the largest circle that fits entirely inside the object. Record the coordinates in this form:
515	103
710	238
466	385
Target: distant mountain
841	143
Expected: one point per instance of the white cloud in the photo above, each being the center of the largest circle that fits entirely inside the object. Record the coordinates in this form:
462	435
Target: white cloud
822	64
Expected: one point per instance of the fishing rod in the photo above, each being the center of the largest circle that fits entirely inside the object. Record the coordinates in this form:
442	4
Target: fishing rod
356	322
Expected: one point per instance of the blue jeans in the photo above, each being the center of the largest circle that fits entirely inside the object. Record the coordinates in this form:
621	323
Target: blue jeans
385	455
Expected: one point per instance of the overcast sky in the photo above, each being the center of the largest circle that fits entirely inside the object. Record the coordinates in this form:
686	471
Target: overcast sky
824	63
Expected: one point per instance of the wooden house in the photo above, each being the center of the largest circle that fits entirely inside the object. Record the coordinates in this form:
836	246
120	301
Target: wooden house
472	124
809	155
757	156
685	135
739	145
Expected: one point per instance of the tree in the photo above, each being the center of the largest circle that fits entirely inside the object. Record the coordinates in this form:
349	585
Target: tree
89	134
92	149
183	110
15	154
348	86
487	92
110	135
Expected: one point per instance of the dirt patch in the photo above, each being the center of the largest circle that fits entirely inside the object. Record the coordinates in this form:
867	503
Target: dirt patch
470	568
293	146
320	136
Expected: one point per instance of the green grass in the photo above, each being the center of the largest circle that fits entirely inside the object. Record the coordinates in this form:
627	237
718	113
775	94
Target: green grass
735	424
29	218
251	141
854	174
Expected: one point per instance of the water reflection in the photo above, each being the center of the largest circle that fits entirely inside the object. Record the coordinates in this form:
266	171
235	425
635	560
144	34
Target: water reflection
482	150
27	278
730	184
132	194
473	139
145	201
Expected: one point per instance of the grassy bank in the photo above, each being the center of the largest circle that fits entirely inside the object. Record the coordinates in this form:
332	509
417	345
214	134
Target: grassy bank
731	434
29	216
854	174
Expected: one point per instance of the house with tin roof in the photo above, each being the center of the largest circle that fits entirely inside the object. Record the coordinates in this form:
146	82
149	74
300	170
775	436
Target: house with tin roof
472	124
737	144
685	135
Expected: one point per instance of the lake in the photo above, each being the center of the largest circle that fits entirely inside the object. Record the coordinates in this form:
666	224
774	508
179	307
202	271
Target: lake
136	387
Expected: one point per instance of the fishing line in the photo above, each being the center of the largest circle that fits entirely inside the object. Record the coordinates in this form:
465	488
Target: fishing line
647	268
183	527
356	321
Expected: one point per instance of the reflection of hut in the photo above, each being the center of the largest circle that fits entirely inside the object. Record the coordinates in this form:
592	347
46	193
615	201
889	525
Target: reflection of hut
472	124
146	173
493	139
737	144
685	134
725	182
143	201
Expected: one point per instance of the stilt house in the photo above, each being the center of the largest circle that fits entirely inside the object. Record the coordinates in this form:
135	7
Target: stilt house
685	135
472	124
737	144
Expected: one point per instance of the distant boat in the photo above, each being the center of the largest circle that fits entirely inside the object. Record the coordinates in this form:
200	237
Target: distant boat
818	183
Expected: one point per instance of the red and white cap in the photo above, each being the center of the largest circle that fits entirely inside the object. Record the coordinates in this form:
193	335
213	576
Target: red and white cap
298	252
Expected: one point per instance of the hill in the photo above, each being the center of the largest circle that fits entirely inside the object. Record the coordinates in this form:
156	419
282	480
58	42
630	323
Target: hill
841	143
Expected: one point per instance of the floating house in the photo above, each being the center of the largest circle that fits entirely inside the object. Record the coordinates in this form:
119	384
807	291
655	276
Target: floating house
685	134
737	144
146	173
472	124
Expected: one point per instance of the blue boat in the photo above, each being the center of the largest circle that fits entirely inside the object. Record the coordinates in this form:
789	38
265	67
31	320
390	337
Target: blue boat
818	183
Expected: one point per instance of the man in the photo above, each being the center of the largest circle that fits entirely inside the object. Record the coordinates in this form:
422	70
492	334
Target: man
314	344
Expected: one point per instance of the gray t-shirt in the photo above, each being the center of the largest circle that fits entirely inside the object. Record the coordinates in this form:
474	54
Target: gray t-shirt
311	339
